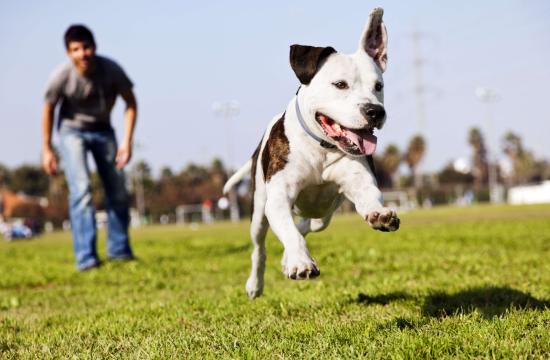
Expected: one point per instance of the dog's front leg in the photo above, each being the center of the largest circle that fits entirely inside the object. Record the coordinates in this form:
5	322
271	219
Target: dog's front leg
360	187
297	263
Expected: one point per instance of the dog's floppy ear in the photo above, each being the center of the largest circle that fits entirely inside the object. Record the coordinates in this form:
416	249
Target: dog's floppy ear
307	60
375	39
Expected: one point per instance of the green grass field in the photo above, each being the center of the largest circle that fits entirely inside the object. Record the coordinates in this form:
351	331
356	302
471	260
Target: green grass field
451	283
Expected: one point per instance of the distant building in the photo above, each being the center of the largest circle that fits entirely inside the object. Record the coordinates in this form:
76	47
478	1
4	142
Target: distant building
530	194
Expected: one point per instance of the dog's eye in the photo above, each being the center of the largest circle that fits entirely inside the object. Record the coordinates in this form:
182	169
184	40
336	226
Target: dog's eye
342	85
378	86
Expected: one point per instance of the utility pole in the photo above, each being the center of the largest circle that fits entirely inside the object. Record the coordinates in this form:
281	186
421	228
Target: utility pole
488	97
229	110
140	194
138	186
419	87
419	91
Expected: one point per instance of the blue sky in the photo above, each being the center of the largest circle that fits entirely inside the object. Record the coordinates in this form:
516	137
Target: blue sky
185	56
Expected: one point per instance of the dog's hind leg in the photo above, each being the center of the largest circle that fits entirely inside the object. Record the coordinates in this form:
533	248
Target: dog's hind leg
305	225
258	231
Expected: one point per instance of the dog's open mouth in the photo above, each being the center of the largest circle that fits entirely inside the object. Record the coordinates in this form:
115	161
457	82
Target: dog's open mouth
354	141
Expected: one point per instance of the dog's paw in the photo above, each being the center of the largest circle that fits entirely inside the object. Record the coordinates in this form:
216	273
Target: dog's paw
299	266
384	220
254	287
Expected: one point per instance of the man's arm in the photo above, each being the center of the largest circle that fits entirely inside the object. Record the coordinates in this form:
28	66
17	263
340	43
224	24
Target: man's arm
49	159
124	153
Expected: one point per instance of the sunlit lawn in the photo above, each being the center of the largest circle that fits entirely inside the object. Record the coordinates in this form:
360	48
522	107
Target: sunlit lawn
451	283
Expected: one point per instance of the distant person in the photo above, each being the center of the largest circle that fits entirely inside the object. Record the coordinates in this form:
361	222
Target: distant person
86	88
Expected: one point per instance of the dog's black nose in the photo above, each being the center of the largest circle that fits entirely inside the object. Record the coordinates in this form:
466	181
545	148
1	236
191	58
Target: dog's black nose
374	113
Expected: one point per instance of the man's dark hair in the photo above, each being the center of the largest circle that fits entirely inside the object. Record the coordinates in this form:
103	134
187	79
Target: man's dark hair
78	33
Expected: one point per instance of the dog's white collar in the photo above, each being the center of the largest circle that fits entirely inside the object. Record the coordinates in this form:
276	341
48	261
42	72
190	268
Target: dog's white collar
308	131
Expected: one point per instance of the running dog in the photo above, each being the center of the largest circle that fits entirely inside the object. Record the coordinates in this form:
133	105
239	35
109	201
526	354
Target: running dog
319	151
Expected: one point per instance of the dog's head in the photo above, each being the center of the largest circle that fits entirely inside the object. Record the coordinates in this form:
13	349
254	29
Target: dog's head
345	93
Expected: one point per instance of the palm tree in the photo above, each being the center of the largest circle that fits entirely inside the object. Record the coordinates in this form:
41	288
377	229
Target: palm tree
166	173
523	160
480	164
413	156
390	160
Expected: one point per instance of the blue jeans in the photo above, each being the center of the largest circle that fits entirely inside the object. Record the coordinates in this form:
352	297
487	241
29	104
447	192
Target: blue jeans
74	147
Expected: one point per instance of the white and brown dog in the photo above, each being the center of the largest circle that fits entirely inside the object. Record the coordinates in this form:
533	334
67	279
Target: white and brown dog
318	151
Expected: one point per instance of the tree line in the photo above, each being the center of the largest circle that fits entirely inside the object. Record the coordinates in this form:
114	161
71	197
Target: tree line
196	183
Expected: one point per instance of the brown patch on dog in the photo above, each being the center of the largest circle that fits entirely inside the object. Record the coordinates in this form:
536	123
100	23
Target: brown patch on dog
275	153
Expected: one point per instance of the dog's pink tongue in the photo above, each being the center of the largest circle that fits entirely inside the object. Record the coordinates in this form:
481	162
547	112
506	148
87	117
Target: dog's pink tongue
365	141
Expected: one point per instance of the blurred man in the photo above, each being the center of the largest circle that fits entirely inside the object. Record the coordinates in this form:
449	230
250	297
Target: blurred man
86	88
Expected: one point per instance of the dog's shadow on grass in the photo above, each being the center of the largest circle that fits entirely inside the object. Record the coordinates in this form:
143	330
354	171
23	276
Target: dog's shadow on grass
381	299
488	301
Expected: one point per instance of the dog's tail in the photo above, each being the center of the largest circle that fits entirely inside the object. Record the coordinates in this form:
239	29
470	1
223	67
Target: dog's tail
237	176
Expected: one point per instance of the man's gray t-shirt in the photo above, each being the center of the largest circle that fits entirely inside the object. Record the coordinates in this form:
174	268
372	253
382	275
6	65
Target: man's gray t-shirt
87	101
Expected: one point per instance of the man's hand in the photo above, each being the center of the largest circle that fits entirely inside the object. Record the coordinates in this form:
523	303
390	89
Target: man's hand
123	155
49	162
49	159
